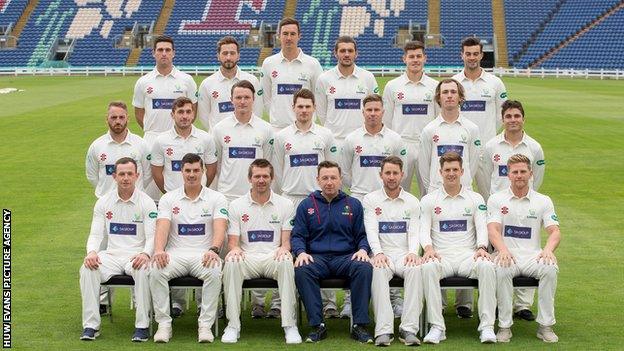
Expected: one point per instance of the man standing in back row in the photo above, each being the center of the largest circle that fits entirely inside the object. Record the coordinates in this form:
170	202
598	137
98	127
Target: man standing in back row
284	73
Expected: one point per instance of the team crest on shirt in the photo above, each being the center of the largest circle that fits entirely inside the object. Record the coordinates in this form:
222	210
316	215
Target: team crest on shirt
304	77
109	215
274	74
332	90
358	149
360	89
428	97
464	139
310	211
497	158
206	212
149	90
178	89
215	94
227	139
532	214
245	218
176	210
169	151
317	146
198	150
257	142
103	157
467	211
407	215
436	138
378	211
504	210
346	211
274	219
137	218
486	93
288	146
437	210
386	150
400	95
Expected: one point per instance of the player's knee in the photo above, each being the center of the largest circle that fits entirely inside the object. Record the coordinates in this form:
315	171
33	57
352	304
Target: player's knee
504	272
548	271
485	267
430	269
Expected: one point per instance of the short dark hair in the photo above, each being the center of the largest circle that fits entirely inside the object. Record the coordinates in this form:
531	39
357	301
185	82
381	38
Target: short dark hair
304	94
192	158
126	160
413	45
180	102
393	160
460	90
511	104
243	84
260	163
344	39
451	156
371	98
328	164
228	39
471	41
286	21
119	104
163	39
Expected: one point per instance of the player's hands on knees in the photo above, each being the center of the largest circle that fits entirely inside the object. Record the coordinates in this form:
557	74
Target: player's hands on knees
303	259
210	259
430	254
547	257
236	254
282	254
380	260
161	259
360	255
140	260
481	253
505	259
412	260
92	261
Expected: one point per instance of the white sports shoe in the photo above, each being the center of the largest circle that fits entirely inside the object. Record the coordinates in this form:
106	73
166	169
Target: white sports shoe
230	335
292	335
204	334
163	334
434	336
488	336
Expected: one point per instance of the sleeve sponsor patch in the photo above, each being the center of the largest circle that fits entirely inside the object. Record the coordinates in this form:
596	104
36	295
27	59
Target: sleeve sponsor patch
541	162
153	215
482	207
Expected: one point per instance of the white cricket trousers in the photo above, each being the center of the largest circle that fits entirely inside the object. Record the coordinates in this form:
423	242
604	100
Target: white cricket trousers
183	263
460	262
259	266
530	267
410	167
113	264
380	294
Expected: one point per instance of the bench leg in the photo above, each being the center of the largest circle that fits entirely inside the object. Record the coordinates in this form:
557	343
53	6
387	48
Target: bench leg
110	304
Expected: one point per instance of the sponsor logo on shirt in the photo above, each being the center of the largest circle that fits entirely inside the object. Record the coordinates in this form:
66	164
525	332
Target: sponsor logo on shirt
504	210
482	207
274	74
288	89
400	95
310	211
215	94
392	227
554	218
169	151
371	161
473	106
260	236
415	109
176	165
378	211
347	104
153	215
103	157
110	169
149	90
162	104
122	229
191	229
459	225
227	139
109	215
332	90
176	210
245	218
502	170
242	152
437	210
436	138
442	149
517	232
541	162
226	106
303	160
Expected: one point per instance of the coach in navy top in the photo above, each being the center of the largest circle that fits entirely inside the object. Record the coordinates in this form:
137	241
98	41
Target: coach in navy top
329	240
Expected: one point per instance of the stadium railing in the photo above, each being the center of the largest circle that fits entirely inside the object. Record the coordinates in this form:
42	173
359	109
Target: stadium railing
381	71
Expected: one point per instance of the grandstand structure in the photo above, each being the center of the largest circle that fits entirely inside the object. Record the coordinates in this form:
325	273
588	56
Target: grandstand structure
567	34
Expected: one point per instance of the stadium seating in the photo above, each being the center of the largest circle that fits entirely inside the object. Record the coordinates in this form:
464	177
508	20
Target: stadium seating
533	28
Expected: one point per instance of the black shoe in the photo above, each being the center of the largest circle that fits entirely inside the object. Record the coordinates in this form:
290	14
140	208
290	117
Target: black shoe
103	309
89	334
140	335
464	312
360	334
319	333
176	312
527	315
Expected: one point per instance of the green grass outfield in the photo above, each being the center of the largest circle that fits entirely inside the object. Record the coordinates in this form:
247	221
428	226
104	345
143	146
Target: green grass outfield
45	132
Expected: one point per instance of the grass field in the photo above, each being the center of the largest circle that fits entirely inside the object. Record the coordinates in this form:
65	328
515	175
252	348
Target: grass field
47	128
